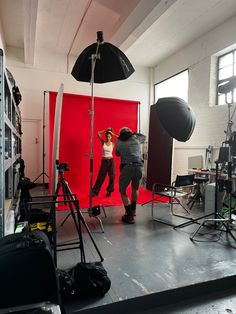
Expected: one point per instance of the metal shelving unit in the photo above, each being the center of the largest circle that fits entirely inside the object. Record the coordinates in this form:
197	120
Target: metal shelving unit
10	151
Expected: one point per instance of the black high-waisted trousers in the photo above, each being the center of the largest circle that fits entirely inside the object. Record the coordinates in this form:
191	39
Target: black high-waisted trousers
107	167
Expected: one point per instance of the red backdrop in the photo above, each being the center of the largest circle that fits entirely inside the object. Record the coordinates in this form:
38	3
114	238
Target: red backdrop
75	139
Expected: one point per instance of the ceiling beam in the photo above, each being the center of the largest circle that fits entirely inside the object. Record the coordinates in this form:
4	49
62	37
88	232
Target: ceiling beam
30	21
140	19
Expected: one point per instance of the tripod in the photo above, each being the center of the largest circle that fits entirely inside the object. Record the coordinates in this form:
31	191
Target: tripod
67	194
71	200
223	184
43	173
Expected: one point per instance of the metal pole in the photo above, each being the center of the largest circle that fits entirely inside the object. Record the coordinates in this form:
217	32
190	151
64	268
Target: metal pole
44	93
93	61
43	173
139	118
94	58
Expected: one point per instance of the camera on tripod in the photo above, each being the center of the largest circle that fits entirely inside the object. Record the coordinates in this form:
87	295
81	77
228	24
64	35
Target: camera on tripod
62	166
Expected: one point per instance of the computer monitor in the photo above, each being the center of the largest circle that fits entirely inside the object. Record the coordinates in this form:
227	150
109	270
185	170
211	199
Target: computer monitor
195	162
223	154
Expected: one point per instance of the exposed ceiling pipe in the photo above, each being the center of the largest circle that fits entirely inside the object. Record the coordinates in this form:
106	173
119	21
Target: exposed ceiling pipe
76	33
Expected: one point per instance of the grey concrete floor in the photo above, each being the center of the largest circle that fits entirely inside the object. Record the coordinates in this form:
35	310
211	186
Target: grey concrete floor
148	258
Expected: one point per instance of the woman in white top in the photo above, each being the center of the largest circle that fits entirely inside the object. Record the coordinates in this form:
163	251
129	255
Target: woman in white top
107	164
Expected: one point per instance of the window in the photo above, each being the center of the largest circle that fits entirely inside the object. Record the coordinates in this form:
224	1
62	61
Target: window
226	70
175	86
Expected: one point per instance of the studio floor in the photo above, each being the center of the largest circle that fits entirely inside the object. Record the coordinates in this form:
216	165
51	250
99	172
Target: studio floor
153	267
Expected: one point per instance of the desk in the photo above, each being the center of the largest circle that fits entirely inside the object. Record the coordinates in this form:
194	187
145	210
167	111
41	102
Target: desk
204	173
201	178
210	174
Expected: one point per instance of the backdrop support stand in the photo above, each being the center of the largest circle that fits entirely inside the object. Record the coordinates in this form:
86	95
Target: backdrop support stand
43	173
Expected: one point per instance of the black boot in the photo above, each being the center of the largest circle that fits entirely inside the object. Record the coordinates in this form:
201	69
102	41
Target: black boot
133	208
129	216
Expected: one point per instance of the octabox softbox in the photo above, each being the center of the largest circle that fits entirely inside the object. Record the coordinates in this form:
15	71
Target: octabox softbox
176	117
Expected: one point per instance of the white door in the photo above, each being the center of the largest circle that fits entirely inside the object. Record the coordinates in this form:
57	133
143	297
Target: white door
31	148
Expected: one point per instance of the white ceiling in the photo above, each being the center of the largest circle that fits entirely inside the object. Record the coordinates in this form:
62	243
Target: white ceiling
147	31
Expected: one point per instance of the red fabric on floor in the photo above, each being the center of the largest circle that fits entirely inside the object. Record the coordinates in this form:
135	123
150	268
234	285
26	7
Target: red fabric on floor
114	199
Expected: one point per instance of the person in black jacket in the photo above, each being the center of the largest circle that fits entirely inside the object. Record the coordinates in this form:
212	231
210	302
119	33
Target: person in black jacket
128	148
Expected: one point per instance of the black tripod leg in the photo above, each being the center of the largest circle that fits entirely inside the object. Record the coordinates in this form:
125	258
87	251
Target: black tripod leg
70	198
57	191
54	232
81	218
72	213
41	174
80	233
65	192
72	201
65	219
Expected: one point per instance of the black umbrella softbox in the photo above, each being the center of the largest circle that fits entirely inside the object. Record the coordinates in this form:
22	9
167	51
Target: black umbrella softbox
176	117
111	64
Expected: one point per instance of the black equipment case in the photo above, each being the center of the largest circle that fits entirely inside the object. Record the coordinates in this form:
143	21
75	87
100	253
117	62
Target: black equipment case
27	271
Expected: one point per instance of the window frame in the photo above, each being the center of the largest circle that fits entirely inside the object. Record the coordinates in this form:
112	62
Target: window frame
218	82
168	78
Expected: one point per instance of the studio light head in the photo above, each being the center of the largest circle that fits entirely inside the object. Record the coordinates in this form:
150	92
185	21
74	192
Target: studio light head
176	117
227	86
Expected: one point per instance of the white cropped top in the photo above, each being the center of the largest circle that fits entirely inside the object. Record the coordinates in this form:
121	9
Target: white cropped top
107	150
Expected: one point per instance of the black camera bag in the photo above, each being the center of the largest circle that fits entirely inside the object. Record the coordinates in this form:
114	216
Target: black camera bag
91	279
27	271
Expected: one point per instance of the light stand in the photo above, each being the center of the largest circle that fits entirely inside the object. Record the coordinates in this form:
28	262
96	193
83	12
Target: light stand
113	65
94	58
91	209
43	173
223	184
91	112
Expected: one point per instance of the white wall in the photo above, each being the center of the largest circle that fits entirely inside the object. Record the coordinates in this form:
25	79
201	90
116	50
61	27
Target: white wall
33	83
2	44
199	58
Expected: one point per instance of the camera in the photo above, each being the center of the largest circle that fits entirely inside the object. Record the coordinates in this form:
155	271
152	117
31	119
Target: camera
63	166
